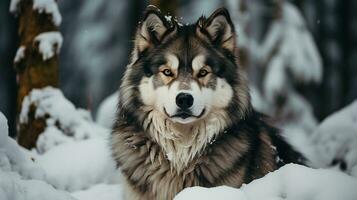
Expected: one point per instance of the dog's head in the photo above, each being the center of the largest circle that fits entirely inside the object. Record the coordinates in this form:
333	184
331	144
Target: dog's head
185	72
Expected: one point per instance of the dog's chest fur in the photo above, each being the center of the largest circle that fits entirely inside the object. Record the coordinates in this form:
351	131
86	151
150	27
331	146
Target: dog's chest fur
153	174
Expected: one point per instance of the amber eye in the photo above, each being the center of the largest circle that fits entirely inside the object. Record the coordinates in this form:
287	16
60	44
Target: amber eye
202	73
167	72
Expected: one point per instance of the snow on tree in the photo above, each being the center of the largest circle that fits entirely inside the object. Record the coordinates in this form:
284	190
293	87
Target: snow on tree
20	54
49	44
277	57
42	6
36	61
63	122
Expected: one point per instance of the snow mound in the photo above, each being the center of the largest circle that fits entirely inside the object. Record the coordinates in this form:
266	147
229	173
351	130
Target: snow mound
12	187
107	110
89	163
63	121
16	170
335	140
291	182
49	43
14	159
42	6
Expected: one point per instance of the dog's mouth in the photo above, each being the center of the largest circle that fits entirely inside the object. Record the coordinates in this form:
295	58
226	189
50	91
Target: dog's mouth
185	116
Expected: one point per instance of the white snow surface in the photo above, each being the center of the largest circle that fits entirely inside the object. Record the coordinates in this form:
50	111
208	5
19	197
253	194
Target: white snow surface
42	6
107	110
13	158
100	191
14	187
291	182
77	165
20	54
49	43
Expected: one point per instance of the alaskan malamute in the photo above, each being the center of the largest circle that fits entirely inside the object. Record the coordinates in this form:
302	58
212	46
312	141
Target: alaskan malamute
185	117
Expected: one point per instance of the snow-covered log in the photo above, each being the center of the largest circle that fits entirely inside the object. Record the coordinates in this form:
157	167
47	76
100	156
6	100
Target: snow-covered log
62	121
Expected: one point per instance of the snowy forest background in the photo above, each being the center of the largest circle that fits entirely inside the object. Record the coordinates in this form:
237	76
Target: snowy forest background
300	56
97	42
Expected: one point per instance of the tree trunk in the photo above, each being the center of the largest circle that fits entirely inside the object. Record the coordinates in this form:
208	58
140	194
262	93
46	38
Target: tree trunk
33	71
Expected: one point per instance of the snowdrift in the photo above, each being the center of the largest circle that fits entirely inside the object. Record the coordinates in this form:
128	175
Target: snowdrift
293	182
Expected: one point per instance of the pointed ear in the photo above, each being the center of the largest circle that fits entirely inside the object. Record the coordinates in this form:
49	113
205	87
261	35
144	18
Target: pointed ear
218	29
152	29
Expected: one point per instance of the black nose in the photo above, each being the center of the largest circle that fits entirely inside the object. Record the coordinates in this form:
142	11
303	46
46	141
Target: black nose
184	100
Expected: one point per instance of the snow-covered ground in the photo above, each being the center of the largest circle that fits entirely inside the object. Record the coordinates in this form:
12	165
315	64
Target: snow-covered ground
72	159
20	177
293	182
64	166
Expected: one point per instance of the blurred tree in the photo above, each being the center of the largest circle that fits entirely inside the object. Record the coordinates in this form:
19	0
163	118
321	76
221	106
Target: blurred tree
334	26
279	54
98	41
167	7
36	60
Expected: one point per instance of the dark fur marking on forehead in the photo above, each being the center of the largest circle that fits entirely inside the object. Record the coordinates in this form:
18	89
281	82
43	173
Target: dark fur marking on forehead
186	45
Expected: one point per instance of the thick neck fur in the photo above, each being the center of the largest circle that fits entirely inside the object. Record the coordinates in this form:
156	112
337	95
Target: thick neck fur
182	143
